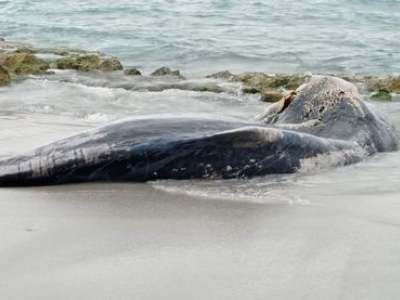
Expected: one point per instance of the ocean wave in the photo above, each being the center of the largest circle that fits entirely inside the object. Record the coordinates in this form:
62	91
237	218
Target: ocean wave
100	104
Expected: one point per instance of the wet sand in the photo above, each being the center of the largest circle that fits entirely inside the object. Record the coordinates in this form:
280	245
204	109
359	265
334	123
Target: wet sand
132	241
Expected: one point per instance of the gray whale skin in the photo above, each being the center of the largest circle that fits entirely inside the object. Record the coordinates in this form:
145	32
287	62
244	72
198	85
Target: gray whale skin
324	121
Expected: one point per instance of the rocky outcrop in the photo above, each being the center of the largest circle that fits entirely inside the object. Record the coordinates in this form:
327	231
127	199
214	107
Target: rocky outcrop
382	94
264	83
391	84
88	62
20	59
164	71
23	63
221	75
132	72
5	78
212	88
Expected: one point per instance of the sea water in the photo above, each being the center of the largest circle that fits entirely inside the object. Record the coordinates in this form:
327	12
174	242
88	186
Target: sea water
286	36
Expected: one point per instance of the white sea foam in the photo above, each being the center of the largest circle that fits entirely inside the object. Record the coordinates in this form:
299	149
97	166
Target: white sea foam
250	191
332	159
99	105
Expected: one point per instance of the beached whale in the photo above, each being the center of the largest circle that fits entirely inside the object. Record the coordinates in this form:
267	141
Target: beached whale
325	120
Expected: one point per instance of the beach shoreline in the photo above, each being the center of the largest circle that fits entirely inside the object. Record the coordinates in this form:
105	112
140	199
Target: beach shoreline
130	241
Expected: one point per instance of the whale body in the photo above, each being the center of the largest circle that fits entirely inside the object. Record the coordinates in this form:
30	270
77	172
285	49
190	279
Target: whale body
323	118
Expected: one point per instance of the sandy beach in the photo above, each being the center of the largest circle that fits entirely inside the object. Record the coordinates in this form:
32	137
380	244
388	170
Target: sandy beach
132	241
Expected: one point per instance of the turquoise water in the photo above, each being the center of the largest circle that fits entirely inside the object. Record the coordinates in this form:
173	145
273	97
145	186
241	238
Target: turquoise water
320	36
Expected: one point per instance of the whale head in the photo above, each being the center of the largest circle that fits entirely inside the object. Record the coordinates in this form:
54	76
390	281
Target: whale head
331	107
322	98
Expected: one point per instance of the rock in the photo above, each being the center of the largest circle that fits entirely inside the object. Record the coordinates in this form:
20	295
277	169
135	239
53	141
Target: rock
270	97
260	82
221	75
132	72
250	90
391	84
382	94
87	62
110	64
294	81
158	85
5	78
213	88
23	63
256	82
66	63
164	71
